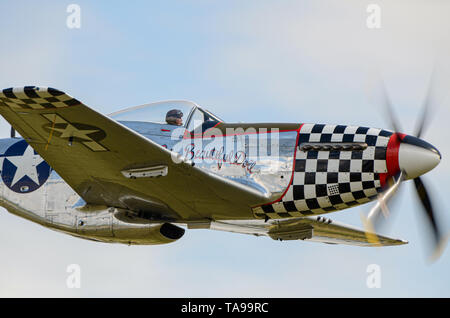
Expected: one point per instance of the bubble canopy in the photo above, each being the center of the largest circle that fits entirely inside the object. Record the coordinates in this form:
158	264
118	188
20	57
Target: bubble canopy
159	112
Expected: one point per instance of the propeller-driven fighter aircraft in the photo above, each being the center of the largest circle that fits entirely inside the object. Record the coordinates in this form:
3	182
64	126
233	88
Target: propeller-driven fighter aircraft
145	174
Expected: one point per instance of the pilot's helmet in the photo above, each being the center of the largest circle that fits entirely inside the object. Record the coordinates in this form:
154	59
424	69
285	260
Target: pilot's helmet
174	117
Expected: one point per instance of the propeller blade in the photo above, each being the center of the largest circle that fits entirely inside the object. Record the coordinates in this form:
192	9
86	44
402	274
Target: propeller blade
13	132
426	106
424	119
426	203
383	199
389	109
372	221
440	242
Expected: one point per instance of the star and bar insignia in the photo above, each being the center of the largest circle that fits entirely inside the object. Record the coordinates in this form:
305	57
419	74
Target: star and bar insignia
88	135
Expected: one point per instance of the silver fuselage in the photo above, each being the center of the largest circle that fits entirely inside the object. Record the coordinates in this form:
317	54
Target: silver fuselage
300	181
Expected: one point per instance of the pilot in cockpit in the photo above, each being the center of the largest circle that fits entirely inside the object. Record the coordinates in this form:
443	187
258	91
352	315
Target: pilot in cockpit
174	117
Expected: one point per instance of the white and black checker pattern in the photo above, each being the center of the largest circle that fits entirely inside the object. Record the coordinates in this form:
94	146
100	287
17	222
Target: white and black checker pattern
32	97
326	181
373	137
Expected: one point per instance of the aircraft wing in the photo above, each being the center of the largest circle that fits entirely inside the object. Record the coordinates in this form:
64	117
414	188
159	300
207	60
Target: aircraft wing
315	229
94	155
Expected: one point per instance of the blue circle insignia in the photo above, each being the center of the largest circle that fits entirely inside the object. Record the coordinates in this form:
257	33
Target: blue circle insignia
23	170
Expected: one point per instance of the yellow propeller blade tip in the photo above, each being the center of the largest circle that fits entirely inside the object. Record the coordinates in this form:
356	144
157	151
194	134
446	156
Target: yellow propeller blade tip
369	231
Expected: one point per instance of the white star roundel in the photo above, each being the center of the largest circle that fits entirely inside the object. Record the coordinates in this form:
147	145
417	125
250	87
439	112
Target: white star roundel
23	170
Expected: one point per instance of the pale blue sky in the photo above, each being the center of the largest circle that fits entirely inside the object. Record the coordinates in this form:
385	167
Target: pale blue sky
286	61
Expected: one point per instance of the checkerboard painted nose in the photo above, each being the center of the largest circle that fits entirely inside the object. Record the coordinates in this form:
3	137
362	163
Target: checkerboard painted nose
327	181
